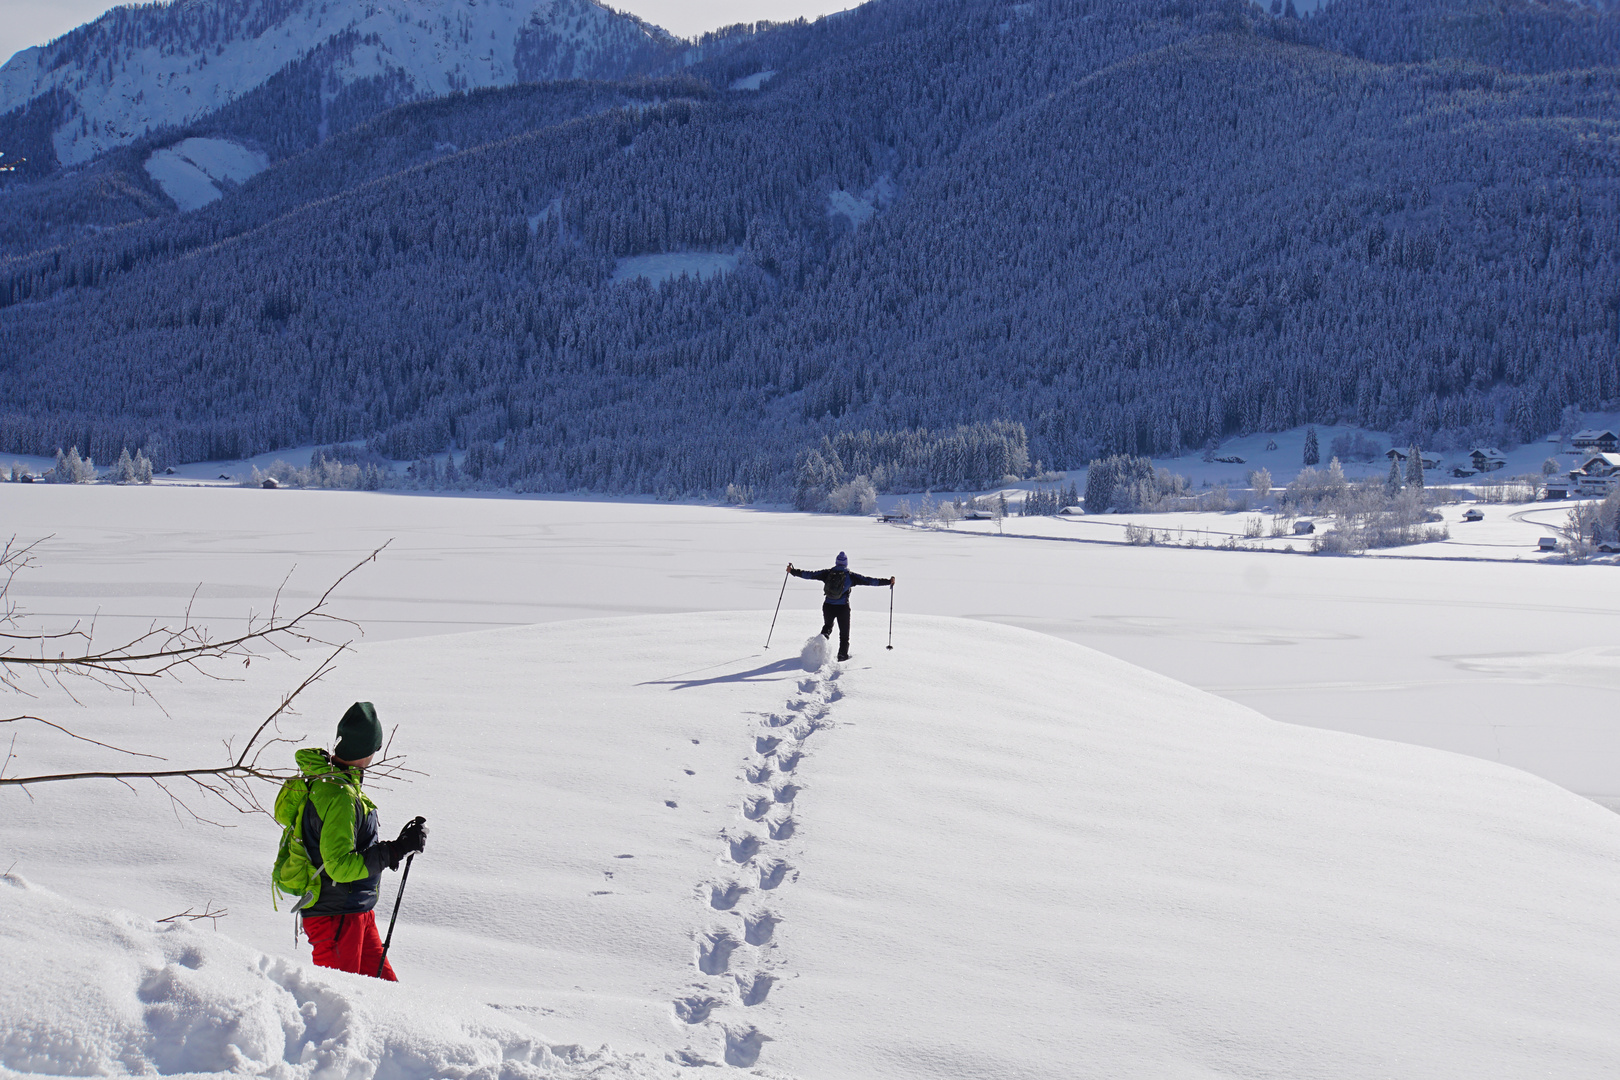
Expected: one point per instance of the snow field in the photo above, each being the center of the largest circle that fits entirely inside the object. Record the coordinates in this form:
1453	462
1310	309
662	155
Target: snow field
96	992
988	853
752	82
1402	649
187	172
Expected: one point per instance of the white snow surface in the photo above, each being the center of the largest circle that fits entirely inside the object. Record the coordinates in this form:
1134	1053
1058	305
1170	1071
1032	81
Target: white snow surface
853	207
188	171
92	991
988	853
659	268
1392	648
125	89
816	652
754	81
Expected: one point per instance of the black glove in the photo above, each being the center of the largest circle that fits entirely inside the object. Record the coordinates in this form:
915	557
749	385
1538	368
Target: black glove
412	840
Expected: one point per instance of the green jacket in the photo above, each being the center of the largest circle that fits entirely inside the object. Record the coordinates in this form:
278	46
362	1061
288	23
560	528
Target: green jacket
340	822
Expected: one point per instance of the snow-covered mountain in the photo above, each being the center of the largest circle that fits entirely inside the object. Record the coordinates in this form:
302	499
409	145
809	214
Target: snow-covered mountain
137	69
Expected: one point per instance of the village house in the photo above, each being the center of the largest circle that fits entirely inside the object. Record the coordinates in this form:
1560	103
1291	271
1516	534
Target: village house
1596	475
1486	458
1600	440
1430	461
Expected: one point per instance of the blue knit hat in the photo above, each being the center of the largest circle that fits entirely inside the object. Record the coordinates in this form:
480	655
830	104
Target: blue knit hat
842	560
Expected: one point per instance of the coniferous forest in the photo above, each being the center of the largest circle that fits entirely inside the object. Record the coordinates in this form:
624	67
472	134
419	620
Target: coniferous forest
968	237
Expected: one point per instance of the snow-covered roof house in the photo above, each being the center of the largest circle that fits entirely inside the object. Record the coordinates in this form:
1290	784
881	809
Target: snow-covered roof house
1486	458
1430	461
1596	475
1599	465
1596	439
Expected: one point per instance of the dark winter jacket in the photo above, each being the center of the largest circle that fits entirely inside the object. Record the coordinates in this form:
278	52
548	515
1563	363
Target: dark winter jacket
340	830
851	581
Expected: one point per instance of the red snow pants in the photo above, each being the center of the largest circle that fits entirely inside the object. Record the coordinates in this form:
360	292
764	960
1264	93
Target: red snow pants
348	943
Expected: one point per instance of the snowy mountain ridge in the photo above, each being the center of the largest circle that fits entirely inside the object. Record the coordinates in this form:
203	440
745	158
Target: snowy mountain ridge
142	68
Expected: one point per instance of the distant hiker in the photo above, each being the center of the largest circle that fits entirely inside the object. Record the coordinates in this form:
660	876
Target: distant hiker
836	582
330	852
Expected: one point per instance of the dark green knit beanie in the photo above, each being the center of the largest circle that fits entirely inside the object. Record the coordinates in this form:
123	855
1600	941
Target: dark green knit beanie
359	733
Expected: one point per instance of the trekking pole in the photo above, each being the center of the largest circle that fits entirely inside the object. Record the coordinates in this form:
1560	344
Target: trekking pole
778	610
389	940
891	618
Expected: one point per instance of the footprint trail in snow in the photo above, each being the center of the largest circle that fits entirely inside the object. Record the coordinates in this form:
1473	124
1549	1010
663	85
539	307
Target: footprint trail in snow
736	954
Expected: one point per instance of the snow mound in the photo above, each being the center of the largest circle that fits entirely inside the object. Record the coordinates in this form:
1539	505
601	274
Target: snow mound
658	268
92	992
816	652
189	171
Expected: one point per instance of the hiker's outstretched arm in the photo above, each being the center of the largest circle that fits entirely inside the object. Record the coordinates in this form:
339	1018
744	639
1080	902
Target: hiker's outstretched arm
862	579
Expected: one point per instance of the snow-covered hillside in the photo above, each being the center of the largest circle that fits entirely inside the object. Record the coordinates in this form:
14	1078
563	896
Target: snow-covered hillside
143	68
989	853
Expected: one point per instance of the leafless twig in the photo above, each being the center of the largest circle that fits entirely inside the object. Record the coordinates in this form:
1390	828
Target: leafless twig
207	912
166	652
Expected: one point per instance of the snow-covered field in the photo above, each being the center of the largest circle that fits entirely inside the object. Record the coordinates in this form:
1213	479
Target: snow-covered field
188	172
1510	662
1508	532
988	853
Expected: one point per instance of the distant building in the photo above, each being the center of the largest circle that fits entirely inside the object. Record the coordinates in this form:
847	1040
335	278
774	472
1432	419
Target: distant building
1602	440
1486	458
1596	475
1556	489
1473	513
1302	528
1547	543
1430	461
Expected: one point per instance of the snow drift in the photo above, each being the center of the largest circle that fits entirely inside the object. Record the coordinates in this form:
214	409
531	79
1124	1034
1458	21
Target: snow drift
99	993
988	853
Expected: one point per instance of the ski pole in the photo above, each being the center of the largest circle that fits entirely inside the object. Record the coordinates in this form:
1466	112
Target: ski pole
778	610
389	940
891	618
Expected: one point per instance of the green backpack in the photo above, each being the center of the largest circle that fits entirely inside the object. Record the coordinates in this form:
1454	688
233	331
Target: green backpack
294	874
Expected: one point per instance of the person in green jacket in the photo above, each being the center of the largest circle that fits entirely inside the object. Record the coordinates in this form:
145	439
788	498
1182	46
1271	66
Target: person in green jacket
339	830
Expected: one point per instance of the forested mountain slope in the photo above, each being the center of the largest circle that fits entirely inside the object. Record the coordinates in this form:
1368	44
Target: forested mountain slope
1124	224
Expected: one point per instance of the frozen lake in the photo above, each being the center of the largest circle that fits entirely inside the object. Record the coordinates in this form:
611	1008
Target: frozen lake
1511	662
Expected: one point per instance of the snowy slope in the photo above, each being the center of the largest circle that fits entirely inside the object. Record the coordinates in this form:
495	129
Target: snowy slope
190	171
989	853
138	69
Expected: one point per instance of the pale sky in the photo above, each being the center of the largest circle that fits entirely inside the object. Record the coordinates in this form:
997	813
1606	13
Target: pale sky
34	22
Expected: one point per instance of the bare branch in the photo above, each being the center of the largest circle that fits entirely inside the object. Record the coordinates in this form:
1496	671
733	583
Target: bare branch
81	738
244	765
207	912
163	650
166	652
